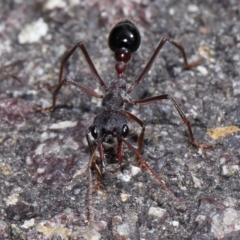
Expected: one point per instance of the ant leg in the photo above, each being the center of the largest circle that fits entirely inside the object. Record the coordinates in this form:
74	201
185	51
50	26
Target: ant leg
99	176
91	163
88	59
144	165
83	88
89	141
182	115
118	157
152	59
141	137
68	80
119	152
102	159
142	125
94	163
90	191
61	81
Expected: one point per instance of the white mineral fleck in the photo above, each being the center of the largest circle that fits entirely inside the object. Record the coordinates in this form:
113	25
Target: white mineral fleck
63	125
123	230
28	223
202	70
193	8
236	88
51	4
124	197
39	149
32	32
12	199
156	212
229	170
175	223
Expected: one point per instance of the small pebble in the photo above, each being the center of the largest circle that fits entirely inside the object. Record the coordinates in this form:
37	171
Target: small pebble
63	125
236	87
156	212
33	32
51	4
192	8
229	170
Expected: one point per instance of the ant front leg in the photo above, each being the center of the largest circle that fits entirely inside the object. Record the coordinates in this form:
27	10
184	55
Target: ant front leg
182	115
94	162
61	81
91	163
145	166
152	59
142	125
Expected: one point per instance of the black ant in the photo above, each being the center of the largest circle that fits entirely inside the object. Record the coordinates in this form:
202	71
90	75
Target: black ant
110	126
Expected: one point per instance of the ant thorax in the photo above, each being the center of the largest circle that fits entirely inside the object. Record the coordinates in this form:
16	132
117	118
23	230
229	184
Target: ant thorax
116	95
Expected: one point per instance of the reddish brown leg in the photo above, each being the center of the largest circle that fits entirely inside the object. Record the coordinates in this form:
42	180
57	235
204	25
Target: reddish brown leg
150	62
90	144
142	124
68	80
93	70
94	163
141	137
88	59
99	177
90	191
120	152
184	118
144	166
119	157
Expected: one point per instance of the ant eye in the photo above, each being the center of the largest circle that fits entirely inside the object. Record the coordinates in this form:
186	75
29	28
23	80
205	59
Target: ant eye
125	130
94	132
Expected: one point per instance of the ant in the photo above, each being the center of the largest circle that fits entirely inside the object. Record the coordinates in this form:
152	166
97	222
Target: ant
110	127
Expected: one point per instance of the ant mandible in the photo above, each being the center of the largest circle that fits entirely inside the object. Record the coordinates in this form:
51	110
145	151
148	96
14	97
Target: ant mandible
110	126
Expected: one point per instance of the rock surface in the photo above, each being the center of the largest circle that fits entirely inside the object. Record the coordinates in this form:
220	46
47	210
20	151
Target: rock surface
43	156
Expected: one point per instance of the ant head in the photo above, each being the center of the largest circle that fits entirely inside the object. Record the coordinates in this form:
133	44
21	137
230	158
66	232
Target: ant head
109	125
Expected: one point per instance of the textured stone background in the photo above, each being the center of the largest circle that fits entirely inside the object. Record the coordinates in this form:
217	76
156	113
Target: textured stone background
43	161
